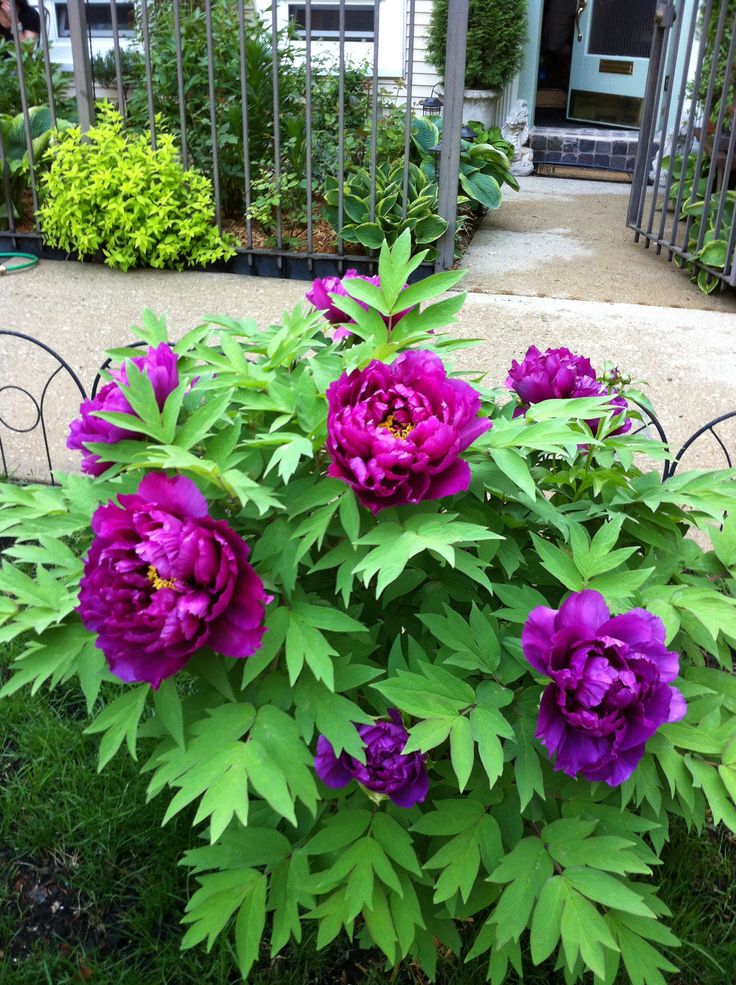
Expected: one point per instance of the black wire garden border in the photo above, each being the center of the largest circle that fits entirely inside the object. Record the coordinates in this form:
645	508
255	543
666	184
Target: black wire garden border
38	401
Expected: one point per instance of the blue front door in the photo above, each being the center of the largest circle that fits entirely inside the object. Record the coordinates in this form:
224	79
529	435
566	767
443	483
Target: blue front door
610	59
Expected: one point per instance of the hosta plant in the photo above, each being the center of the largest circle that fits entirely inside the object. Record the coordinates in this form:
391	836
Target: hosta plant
394	212
14	151
484	161
427	661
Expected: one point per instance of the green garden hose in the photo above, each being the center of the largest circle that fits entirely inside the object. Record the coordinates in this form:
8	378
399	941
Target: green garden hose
30	261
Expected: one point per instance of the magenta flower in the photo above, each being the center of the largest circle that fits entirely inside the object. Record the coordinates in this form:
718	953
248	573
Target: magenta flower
160	365
319	296
395	432
555	375
610	689
387	770
163	579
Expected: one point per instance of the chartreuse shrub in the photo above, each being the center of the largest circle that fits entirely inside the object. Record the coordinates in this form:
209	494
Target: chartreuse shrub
108	191
416	656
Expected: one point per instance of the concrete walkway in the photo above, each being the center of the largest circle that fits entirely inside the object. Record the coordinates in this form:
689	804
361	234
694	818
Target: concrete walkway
566	238
684	356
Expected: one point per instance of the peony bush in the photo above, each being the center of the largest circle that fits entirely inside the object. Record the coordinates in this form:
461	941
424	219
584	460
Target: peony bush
426	661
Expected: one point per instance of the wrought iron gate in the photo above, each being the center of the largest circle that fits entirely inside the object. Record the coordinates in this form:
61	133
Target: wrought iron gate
683	196
279	258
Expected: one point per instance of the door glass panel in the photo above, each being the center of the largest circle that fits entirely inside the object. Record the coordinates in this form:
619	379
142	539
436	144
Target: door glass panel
622	28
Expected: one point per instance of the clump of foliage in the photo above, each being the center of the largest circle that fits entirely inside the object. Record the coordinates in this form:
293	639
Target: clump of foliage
393	212
467	706
713	251
108	191
228	98
16	151
287	194
484	162
36	86
496	35
715	60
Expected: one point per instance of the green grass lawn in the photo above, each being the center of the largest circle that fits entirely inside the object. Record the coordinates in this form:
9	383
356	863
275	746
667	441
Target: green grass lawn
90	889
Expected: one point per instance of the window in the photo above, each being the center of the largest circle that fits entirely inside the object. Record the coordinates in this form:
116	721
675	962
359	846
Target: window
326	21
99	19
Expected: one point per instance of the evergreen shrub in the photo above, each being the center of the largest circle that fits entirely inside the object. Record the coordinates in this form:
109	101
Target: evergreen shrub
496	35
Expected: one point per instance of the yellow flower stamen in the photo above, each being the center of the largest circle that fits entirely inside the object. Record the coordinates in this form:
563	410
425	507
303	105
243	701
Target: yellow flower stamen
396	429
158	582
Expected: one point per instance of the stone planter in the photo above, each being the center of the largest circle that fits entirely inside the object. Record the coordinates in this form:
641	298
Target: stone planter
480	105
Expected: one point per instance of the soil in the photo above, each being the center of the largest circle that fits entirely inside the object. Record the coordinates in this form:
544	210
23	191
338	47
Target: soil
38	899
324	238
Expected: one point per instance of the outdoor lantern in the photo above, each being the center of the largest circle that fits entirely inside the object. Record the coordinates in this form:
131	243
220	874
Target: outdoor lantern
432	105
466	133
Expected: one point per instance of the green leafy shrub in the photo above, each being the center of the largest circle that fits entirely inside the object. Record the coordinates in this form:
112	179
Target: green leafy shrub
484	162
496	35
421	218
34	71
108	191
714	250
16	151
228	101
724	88
287	194
436	611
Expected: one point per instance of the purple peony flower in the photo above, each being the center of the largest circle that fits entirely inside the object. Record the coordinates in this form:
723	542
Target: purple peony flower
610	687
163	578
395	432
558	374
160	365
319	296
387	770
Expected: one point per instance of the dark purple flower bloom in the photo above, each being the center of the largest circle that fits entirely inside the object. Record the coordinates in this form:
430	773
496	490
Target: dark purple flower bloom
160	366
558	374
610	685
387	770
319	296
163	578
395	432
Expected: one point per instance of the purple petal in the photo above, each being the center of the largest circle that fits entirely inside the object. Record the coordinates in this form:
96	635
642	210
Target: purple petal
328	767
583	612
536	637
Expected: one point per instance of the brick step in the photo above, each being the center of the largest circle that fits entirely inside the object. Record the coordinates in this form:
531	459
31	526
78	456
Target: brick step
614	150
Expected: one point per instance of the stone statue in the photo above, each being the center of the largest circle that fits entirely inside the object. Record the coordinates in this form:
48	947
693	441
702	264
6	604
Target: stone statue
516	131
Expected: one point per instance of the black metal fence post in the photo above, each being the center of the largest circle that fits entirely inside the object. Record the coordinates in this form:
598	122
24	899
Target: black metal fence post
457	37
83	85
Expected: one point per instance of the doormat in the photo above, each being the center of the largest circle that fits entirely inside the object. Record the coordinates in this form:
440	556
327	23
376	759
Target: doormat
581	172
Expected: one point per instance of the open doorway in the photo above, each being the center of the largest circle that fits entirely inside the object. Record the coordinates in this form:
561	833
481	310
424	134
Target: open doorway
593	62
555	60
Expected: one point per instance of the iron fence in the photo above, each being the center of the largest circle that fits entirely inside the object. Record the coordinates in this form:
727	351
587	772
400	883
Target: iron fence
683	196
234	117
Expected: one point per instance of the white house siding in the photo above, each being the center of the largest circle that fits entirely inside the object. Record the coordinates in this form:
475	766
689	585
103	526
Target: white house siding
423	75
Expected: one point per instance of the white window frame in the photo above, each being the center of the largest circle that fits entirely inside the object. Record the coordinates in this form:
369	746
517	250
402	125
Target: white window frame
391	36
